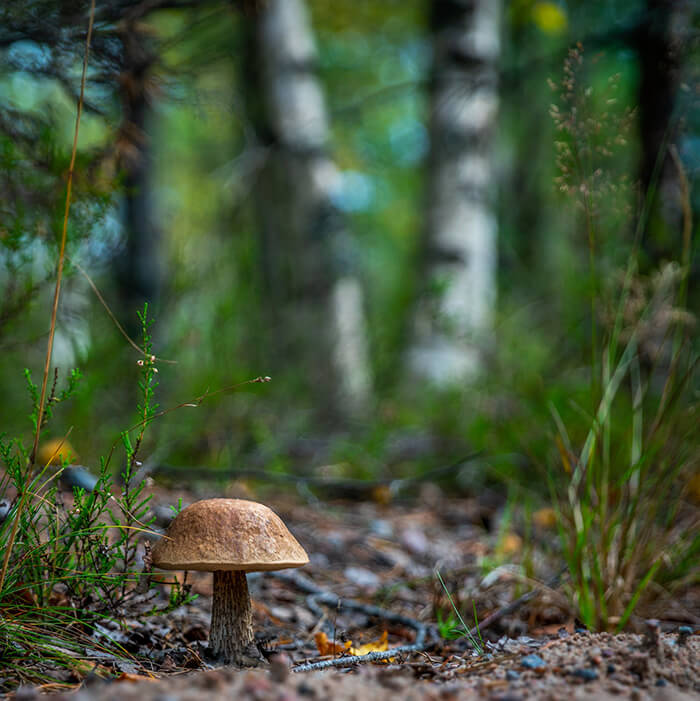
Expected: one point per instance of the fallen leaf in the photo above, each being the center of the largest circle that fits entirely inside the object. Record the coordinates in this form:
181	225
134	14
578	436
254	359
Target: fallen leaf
55	451
380	645
381	494
545	518
329	647
510	544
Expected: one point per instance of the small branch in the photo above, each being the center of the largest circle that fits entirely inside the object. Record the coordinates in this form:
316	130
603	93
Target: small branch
330	599
353	660
324	596
111	315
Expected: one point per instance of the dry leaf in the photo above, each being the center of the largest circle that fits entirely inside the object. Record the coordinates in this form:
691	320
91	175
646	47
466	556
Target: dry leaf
510	544
329	647
54	451
380	645
545	518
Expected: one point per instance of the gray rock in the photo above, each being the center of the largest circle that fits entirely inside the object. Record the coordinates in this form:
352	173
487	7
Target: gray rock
532	662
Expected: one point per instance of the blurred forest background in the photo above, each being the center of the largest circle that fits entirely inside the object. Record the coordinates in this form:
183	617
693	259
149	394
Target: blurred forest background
415	216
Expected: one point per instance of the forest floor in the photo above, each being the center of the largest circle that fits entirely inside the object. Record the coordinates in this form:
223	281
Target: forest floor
377	562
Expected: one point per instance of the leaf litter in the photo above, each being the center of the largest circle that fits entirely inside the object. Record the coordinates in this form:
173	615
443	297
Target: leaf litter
324	634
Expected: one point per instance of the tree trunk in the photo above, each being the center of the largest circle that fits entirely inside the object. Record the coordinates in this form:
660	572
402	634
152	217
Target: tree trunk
314	299
660	46
454	311
138	267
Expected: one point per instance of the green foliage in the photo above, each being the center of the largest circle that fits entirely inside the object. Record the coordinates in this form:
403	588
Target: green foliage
624	456
69	565
452	626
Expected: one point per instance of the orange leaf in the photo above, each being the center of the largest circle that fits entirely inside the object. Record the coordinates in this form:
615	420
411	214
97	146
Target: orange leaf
380	645
54	451
329	647
545	517
510	544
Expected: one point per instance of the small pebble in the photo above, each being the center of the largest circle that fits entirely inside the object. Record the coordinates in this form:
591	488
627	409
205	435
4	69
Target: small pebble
532	662
661	682
77	476
610	669
512	675
588	675
4	509
363	578
382	528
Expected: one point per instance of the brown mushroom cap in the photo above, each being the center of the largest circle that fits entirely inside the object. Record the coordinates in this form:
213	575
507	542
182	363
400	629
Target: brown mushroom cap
228	534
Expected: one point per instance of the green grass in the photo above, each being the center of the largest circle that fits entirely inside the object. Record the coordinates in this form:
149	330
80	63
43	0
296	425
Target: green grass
624	457
451	626
68	566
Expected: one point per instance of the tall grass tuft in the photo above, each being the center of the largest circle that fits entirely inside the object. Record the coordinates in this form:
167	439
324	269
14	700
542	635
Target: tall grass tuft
621	470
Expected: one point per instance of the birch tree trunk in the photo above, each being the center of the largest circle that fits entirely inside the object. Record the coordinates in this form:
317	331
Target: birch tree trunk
315	300
454	312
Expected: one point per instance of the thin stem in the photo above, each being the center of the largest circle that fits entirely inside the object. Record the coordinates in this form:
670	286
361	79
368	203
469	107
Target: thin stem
57	292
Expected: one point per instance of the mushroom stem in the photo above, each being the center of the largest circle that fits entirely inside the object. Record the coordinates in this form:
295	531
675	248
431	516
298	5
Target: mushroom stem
231	617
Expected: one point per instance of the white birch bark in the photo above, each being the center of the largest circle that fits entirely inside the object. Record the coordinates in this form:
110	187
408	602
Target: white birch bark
454	312
308	249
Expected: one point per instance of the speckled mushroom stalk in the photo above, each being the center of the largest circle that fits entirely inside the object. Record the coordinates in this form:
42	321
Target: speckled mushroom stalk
231	618
228	537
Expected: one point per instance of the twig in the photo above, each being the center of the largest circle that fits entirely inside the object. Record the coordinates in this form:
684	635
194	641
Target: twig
317	594
64	235
102	301
193	404
352	660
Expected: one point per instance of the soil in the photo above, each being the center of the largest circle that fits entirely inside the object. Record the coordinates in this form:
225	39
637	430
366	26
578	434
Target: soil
375	562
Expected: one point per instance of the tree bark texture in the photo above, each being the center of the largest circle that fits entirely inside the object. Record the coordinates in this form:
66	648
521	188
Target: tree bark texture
231	618
315	300
454	311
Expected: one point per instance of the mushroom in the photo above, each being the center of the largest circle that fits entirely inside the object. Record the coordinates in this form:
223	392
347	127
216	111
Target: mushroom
228	537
